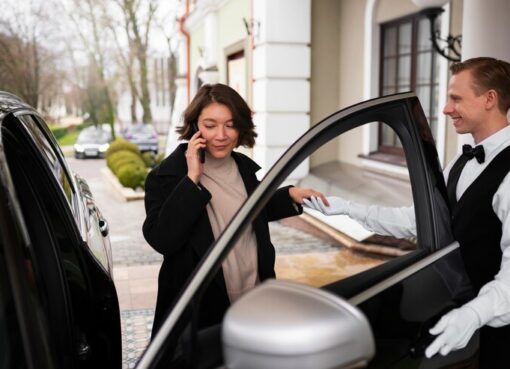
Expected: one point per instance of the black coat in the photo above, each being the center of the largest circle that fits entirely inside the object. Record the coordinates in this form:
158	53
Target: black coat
177	226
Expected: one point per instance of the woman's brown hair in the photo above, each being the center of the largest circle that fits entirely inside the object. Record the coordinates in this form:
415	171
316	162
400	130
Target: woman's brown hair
225	95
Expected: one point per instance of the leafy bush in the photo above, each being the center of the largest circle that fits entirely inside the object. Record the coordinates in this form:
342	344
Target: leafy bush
132	176
159	158
120	144
59	132
120	158
149	159
127	163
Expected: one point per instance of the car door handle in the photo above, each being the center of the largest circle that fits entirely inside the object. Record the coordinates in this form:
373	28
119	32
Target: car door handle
103	227
419	346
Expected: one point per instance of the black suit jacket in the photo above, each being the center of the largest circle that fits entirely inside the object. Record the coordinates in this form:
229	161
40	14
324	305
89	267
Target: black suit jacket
177	226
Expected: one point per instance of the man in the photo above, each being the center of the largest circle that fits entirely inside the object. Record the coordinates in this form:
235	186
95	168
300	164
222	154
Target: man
479	196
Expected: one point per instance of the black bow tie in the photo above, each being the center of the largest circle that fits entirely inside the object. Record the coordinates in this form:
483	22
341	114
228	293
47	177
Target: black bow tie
474	152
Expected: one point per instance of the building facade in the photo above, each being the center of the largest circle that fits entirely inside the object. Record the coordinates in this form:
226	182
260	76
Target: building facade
298	61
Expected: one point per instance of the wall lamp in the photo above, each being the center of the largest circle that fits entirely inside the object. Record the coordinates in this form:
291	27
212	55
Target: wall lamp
453	44
432	9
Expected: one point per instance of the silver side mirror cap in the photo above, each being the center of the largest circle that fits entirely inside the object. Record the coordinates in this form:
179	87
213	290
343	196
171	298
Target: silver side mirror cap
286	325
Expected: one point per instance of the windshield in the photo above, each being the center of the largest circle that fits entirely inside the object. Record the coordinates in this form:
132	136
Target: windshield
93	136
141	129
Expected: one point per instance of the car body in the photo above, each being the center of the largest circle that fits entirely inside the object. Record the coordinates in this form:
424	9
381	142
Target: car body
143	135
92	142
58	300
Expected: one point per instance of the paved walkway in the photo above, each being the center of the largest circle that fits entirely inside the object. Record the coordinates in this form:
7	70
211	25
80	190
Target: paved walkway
303	254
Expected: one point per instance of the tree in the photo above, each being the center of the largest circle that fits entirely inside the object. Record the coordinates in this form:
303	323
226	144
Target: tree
89	18
138	16
26	66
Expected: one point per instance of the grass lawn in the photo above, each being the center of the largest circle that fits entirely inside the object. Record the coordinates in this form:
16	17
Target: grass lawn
68	139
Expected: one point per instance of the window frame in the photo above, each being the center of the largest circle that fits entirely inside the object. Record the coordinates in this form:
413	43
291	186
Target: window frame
394	152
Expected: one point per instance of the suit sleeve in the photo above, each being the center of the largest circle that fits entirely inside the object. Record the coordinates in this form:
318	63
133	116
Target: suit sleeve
282	206
173	206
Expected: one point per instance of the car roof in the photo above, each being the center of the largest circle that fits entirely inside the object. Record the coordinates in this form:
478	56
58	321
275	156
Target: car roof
10	102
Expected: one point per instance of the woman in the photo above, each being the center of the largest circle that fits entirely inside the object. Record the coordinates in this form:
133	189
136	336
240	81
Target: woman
189	203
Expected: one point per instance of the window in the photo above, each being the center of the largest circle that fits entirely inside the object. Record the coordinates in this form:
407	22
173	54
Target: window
408	63
50	156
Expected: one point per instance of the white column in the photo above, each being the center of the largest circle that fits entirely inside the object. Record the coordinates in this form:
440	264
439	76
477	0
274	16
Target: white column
281	78
211	40
485	29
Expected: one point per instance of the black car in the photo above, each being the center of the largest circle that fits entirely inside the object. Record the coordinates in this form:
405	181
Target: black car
58	303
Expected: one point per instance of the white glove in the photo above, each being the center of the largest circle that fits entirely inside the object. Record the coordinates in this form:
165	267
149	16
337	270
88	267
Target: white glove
337	205
454	329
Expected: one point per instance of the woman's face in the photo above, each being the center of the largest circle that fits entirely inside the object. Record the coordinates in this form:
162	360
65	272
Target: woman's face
216	125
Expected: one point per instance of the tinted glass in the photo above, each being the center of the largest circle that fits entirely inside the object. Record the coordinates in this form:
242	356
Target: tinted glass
50	155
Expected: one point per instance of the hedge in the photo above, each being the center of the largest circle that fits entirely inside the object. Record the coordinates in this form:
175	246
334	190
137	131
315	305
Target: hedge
120	144
127	163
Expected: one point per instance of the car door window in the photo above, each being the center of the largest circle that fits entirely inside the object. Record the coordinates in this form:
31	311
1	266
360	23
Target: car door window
50	154
319	249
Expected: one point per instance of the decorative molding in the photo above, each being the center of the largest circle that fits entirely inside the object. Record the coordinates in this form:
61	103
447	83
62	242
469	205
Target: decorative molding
201	10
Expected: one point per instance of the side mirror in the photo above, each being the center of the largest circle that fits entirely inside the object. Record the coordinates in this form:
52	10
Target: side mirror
282	324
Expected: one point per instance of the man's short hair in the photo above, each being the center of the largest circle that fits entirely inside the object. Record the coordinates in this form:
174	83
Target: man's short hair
488	74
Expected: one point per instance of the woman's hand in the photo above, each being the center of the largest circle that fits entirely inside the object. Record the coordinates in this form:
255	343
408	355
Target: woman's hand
298	195
193	156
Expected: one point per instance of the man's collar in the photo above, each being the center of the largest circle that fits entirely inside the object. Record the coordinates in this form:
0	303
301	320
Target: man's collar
495	140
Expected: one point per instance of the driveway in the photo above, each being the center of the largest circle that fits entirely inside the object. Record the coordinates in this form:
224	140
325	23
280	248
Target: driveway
304	254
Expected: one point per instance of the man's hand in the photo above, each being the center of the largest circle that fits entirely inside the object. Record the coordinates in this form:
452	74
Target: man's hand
336	206
454	329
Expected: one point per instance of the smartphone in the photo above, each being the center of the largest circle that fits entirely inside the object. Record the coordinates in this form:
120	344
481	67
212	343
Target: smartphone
201	152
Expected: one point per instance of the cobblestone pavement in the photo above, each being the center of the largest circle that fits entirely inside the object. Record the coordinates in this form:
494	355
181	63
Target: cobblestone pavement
133	256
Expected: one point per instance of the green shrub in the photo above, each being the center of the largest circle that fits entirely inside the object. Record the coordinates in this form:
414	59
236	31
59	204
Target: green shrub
149	159
58	131
120	144
118	159
132	176
159	158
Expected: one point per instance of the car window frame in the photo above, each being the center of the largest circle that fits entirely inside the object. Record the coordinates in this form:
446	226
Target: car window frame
75	204
429	191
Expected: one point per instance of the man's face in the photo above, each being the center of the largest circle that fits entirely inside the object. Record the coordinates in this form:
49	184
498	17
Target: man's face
467	110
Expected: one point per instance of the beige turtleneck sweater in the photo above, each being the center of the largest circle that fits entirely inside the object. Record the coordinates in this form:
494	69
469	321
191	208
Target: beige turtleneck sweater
223	180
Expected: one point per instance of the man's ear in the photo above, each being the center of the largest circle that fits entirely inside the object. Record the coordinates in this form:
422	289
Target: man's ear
491	101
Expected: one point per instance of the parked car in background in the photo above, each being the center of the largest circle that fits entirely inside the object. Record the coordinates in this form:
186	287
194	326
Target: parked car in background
143	135
92	142
58	303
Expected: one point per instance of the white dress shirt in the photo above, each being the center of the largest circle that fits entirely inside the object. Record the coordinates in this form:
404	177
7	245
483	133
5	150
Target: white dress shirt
493	301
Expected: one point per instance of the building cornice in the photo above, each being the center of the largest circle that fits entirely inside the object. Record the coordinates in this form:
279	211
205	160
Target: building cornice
201	10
